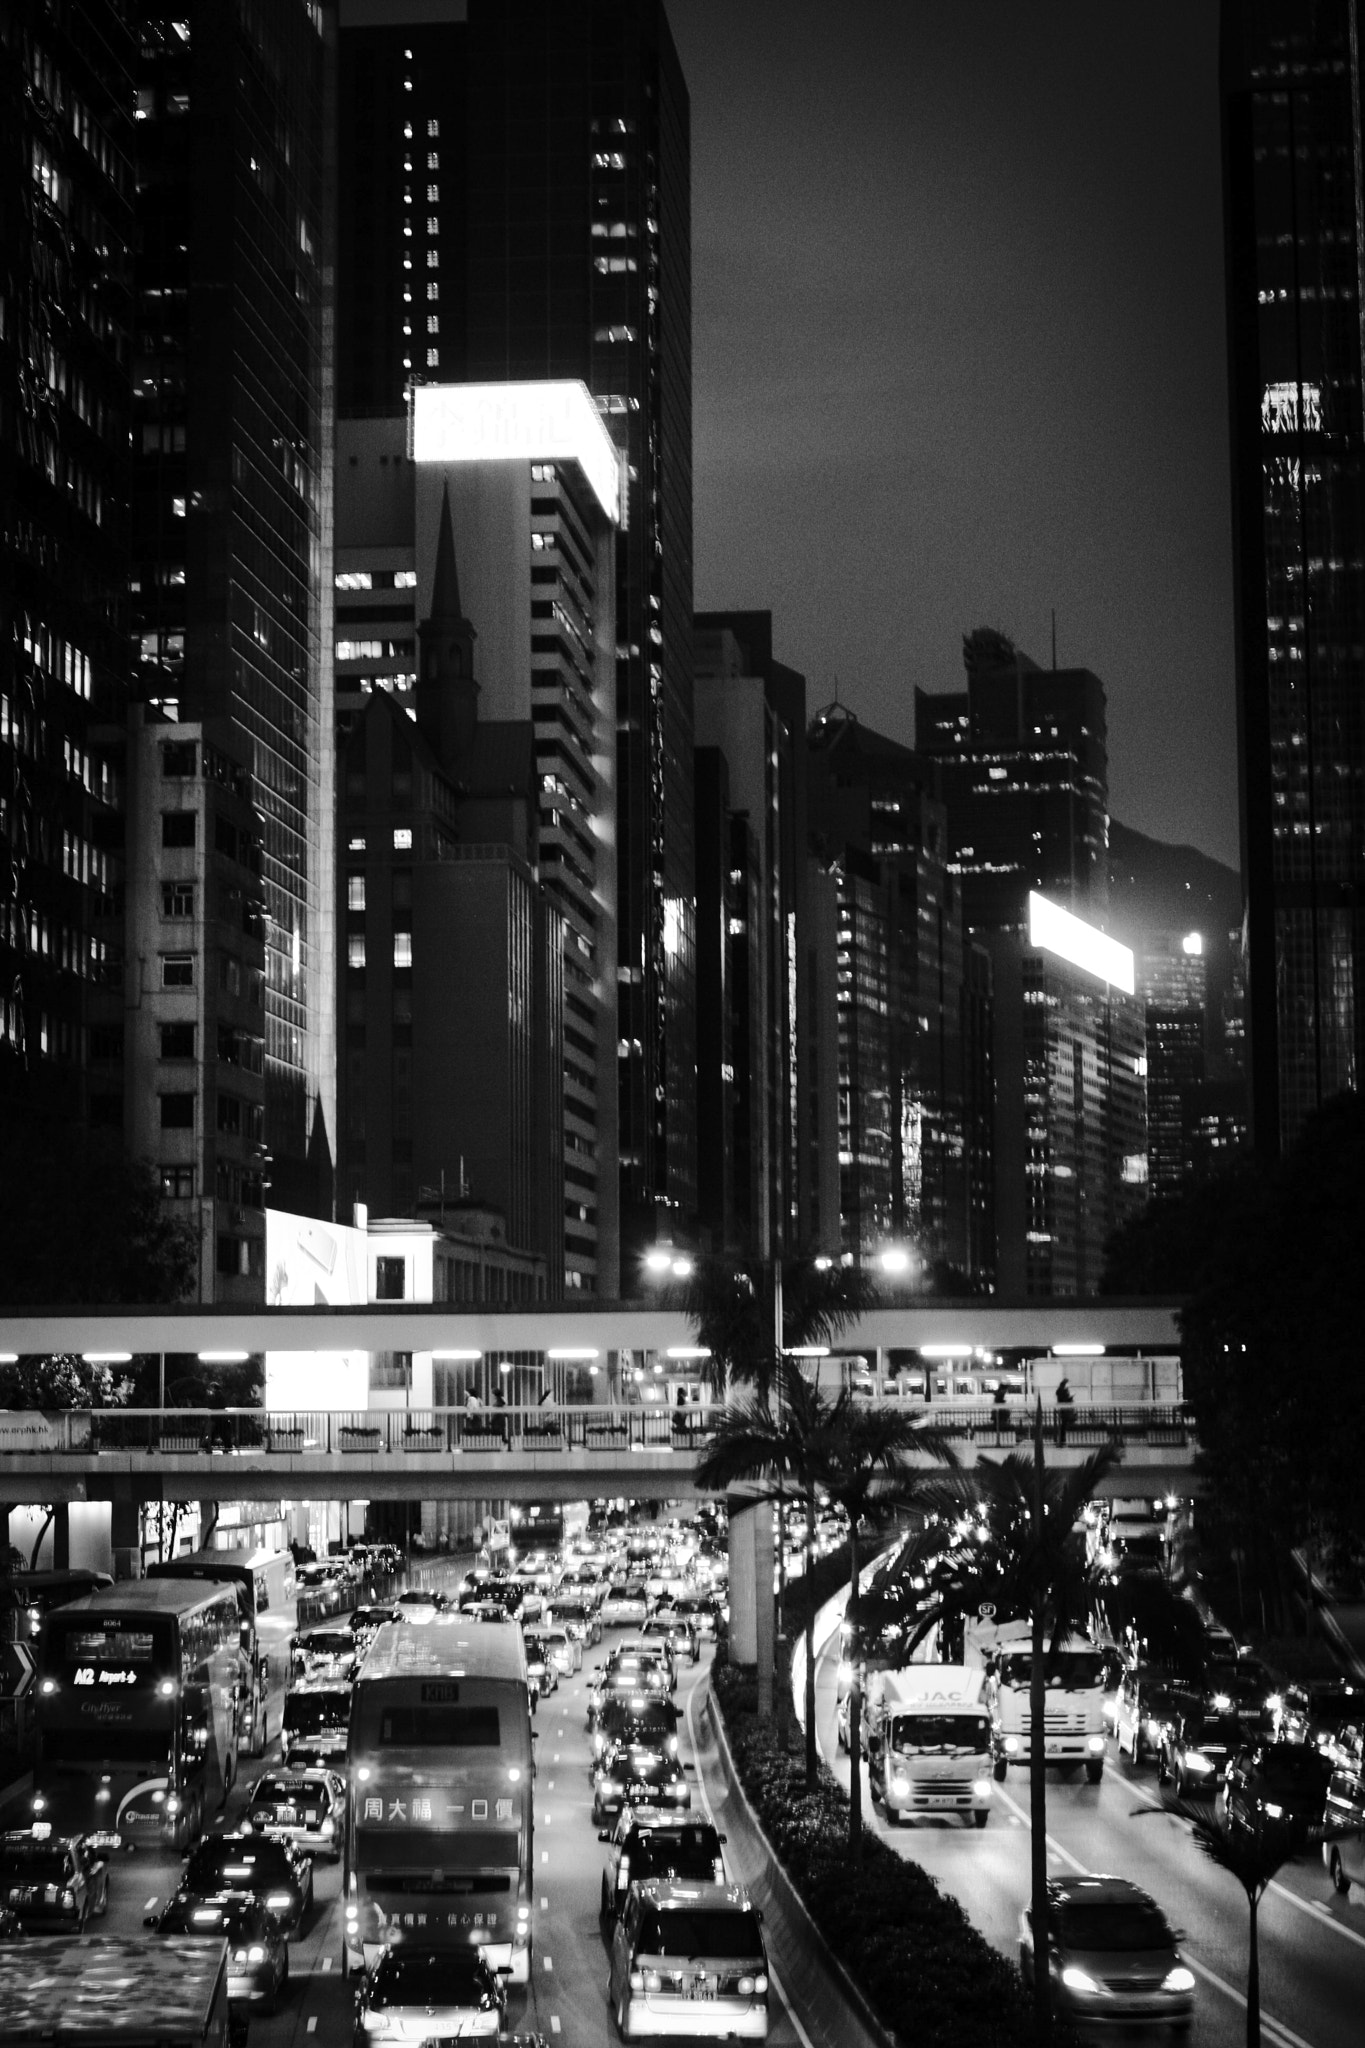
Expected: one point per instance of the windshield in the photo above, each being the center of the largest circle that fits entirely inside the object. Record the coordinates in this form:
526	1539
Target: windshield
439	1727
939	1731
656	1718
22	1863
1070	1671
669	1852
110	1649
699	1931
308	1713
432	1977
1289	1764
290	1792
1113	1927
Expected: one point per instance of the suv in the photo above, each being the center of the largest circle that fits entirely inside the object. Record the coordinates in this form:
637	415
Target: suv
631	1775
1329	1715
1195	1749
688	1959
646	1844
416	1993
1281	1782
1111	1953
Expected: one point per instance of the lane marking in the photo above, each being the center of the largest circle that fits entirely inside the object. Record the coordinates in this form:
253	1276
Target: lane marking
551	1786
313	2024
544	1855
773	1978
545	1905
556	1756
548	1962
554	2022
326	1964
150	1903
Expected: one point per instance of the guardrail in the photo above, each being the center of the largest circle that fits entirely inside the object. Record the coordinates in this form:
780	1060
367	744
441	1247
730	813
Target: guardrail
515	1432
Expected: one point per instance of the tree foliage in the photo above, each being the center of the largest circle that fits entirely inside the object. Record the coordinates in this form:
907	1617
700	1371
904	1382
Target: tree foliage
1268	1262
82	1223
61	1380
730	1308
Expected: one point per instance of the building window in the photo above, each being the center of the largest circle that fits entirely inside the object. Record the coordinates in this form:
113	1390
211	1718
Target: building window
177	1112
355	892
230	1116
402	838
177	970
177	828
402	949
177	1182
177	1041
391	1370
390	1283
179	758
177	898
355	949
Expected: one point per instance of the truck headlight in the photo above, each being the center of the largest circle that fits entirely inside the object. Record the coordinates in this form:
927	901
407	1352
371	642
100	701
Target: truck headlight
900	1785
981	1788
1095	1744
1012	1745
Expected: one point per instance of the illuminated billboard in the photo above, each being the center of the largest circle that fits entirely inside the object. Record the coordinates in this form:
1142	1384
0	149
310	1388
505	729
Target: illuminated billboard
553	420
1055	930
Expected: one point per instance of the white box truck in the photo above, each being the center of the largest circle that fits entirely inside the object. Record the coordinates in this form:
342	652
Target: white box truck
1074	1713
929	1742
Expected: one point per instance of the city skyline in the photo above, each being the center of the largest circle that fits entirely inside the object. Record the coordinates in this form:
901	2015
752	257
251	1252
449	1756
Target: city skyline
986	378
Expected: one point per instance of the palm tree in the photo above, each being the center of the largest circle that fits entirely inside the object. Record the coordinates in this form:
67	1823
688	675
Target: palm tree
1252	1855
1029	1564
733	1309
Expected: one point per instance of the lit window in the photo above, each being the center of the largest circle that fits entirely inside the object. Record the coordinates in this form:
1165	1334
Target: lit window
434	130
405	579
356	843
433	359
433	291
355	892
433	195
177	508
355	949
433	160
433	224
355	579
433	323
402	949
402	838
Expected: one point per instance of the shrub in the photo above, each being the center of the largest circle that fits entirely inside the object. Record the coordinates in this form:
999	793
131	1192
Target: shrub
928	1974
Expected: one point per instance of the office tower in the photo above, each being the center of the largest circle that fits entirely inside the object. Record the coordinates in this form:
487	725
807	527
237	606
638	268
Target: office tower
751	709
66	195
453	1022
1070	1148
232	482
1020	762
516	205
912	1000
193	1006
1294	218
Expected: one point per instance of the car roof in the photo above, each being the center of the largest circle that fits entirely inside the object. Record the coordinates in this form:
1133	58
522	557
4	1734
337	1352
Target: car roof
668	1892
1099	1890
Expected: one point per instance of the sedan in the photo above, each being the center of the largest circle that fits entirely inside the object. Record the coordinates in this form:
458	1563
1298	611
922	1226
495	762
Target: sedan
258	1954
419	1605
1283	1783
252	1866
578	1617
541	1674
625	1604
653	1844
307	1808
629	1775
366	1622
51	1882
1111	1953
427	1994
1194	1752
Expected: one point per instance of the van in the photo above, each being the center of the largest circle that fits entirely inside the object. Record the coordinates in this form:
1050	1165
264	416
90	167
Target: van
1344	1853
688	1959
929	1748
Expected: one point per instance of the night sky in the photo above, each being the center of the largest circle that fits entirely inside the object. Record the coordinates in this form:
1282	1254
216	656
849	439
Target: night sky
959	358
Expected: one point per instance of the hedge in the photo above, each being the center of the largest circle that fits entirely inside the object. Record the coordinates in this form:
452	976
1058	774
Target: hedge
931	1978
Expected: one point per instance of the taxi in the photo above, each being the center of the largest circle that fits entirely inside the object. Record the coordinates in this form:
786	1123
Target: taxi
306	1807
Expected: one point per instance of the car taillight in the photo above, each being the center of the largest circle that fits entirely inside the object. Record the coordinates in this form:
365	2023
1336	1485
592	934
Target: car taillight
68	1900
279	1902
255	1954
328	1829
637	1980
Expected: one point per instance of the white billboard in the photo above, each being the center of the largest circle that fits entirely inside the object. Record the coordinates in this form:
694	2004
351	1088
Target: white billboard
552	420
311	1265
1055	930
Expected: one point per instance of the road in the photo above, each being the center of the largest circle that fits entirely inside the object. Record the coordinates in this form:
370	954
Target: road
1312	1944
566	1998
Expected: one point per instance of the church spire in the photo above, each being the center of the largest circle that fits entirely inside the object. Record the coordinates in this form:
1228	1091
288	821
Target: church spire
447	694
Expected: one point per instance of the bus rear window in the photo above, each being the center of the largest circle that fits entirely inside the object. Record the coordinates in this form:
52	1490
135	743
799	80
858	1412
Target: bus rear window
439	1728
107	1643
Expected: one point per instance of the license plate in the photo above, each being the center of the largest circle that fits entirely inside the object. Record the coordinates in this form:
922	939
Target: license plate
286	1815
310	1820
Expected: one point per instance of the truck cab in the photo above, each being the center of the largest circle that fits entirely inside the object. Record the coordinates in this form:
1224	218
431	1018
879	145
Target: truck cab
929	1742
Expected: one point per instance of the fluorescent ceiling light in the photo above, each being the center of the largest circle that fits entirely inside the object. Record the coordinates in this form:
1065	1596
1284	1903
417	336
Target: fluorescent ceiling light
223	1357
468	1356
945	1350
107	1357
687	1351
1078	1350
570	1351
1056	931
551	420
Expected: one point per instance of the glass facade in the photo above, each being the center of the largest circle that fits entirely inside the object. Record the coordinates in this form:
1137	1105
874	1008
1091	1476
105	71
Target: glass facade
1295	225
232	504
66	227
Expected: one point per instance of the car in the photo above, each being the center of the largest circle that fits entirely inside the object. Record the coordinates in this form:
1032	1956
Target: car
637	1774
317	1719
306	1807
1284	1783
1194	1750
366	1622
1343	1852
1142	1711
322	1584
418	1993
679	1631
523	1603
563	1650
52	1882
1242	1686
1219	1642
258	1953
643	1650
578	1615
702	1609
1111	1953
248	1865
11	1926
625	1604
650	1721
1330	1715
646	1843
688	1959
419	1603
323	1653
541	1675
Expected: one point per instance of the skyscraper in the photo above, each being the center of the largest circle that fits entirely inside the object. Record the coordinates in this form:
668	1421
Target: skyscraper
66	229
233	482
515	204
1294	215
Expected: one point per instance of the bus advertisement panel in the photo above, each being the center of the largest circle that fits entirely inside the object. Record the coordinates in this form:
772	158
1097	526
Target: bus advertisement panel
138	1693
266	1594
440	1815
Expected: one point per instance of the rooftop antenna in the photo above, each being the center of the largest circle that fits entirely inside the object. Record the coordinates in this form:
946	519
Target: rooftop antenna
1054	638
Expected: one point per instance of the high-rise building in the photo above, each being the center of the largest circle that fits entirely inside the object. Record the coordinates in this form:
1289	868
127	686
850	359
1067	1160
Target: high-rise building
232	523
1294	215
66	232
1020	762
515	204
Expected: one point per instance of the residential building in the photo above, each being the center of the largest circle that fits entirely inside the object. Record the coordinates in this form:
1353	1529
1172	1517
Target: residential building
1020	762
232	526
515	187
1294	217
66	231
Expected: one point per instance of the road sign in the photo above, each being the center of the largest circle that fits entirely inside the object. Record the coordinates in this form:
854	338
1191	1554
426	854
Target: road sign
17	1665
986	1611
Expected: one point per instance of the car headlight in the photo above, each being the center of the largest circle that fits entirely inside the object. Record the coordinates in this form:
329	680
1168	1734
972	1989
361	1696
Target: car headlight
1095	1744
255	1954
1077	1979
1012	1745
1275	1704
1222	1702
981	1788
1195	1760
900	1785
845	1672
1274	1812
1178	1979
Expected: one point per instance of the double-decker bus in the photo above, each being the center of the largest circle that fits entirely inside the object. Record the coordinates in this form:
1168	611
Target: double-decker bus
138	1697
439	1820
266	1595
28	1596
